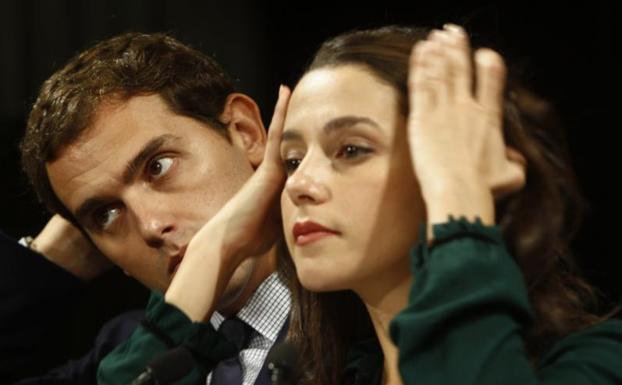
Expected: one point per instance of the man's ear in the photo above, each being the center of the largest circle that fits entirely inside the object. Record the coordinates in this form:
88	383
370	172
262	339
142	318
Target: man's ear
246	130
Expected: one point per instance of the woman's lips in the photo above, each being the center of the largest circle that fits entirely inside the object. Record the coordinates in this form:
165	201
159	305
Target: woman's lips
308	231
311	237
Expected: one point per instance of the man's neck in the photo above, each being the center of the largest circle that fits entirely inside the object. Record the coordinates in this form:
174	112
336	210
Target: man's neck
265	265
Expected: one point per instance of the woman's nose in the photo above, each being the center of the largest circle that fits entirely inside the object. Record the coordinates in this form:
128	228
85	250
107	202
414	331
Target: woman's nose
305	188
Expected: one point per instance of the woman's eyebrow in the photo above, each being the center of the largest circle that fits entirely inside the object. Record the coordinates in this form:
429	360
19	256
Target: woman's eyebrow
348	121
332	126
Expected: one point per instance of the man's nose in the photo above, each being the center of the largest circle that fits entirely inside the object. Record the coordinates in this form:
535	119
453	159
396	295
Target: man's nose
306	185
155	222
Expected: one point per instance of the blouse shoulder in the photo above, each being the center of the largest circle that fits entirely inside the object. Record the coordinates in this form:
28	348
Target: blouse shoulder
597	349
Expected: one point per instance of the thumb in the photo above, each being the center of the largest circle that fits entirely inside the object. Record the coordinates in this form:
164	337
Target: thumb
272	154
513	176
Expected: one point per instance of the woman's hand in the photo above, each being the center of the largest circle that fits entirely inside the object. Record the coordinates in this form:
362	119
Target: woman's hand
251	220
248	225
455	134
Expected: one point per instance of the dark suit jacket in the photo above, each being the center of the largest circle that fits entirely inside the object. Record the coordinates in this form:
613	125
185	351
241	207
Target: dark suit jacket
37	299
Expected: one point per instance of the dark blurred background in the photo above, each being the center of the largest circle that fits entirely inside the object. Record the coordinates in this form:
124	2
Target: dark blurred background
566	53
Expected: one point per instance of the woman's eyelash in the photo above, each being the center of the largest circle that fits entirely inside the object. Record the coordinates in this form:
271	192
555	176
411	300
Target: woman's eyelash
291	165
352	150
348	151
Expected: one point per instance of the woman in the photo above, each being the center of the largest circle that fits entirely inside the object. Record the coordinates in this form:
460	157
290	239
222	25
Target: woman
371	160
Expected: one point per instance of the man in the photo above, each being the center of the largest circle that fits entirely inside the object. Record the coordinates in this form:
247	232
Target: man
139	141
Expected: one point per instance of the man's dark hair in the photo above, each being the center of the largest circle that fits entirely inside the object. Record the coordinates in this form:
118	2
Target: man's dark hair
190	83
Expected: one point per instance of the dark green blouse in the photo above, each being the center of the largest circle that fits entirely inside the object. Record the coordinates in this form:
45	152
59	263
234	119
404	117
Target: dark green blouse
463	323
462	326
166	327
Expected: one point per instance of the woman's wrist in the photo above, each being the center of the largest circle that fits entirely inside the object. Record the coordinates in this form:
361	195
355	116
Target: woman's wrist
469	200
202	275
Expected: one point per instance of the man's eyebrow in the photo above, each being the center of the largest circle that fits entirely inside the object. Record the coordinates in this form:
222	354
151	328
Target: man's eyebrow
129	172
145	153
333	125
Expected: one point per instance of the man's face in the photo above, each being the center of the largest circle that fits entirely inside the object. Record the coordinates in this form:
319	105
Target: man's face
142	181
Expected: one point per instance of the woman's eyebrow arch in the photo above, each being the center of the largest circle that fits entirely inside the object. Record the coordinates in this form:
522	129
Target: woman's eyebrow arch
333	125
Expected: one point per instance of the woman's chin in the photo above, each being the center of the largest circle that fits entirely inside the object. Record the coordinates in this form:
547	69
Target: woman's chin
320	283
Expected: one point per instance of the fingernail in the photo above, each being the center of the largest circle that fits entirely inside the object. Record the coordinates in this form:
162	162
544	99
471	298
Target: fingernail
454	28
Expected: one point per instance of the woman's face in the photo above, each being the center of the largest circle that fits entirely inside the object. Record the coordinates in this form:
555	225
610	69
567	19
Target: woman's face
351	206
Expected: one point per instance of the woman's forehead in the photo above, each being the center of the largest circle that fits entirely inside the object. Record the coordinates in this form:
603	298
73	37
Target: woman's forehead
326	93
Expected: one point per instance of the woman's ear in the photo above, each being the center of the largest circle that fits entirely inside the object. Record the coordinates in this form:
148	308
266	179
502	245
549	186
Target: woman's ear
246	130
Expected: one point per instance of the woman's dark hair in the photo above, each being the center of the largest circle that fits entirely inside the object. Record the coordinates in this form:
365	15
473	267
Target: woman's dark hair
325	325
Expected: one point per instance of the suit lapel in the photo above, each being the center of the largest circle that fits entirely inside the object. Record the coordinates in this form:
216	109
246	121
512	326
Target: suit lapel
264	374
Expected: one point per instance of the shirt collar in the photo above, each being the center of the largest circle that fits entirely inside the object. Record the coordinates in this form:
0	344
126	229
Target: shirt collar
266	310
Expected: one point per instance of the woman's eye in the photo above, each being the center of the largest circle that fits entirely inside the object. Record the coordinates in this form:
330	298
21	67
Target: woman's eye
291	165
105	216
159	167
349	151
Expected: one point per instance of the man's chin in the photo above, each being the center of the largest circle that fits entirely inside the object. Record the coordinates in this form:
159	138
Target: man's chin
236	294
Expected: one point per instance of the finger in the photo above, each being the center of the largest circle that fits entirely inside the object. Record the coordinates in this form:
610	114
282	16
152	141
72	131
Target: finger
459	52
514	155
421	89
442	68
514	179
437	73
512	175
491	73
276	126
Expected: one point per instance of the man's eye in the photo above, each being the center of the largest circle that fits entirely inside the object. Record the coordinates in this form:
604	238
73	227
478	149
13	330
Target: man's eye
105	216
159	167
349	151
291	165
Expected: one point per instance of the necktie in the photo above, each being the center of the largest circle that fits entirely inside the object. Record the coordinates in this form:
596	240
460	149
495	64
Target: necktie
229	371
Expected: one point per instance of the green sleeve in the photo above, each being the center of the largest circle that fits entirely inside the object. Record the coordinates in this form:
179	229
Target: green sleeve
166	327
467	308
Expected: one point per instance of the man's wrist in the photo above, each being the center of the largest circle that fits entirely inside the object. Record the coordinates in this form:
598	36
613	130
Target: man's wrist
27	242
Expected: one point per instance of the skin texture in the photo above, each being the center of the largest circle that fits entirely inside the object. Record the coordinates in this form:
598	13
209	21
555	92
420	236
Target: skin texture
144	219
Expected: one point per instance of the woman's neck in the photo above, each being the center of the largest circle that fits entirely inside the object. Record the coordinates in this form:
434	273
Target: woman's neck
386	296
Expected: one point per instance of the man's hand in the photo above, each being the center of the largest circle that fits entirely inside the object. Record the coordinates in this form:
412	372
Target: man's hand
64	245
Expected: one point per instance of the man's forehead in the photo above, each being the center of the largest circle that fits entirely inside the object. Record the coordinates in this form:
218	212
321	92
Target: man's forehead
79	173
92	163
118	125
